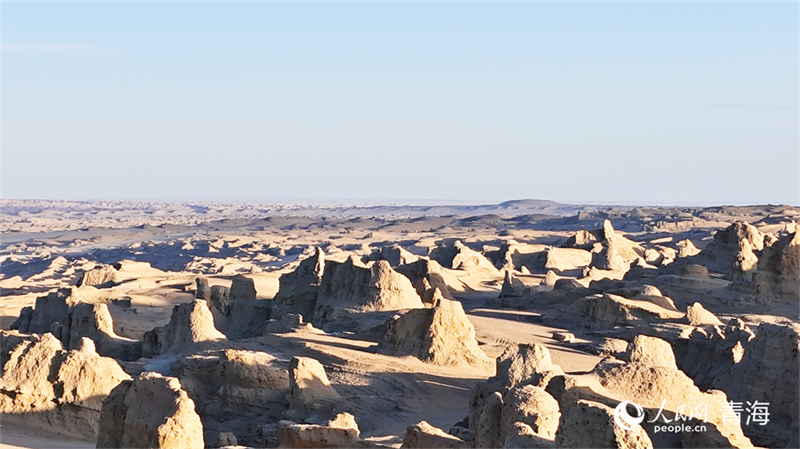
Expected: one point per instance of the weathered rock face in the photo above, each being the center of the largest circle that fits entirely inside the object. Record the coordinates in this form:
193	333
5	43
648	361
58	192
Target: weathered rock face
607	257
231	385
64	315
651	351
247	315
310	387
50	309
298	289
202	290
41	381
354	287
687	249
442	335
697	315
102	276
512	287
150	411
772	360
606	310
732	251
532	406
395	254
423	435
460	257
190	323
591	424
426	277
654	387
314	436
94	321
610	249
778	271
565	259
519	366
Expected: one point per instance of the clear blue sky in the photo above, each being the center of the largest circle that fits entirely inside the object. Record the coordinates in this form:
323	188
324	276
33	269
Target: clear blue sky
578	102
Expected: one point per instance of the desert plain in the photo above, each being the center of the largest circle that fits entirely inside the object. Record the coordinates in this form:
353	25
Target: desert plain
523	324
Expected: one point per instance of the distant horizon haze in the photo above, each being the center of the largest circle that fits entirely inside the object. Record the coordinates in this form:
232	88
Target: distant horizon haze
648	103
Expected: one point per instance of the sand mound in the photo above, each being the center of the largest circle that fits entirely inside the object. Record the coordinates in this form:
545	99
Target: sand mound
190	323
441	335
149	411
42	382
298	289
352	287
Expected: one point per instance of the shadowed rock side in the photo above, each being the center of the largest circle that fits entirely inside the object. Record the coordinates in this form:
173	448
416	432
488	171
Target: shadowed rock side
351	286
247	315
299	288
777	276
442	335
149	411
63	314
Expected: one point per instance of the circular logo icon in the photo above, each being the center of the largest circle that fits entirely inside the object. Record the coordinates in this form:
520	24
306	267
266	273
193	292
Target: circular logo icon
628	417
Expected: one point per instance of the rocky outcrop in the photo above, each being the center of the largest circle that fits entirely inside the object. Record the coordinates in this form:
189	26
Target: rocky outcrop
43	383
441	335
102	276
395	254
777	277
609	249
64	314
519	366
202	289
733	251
697	315
606	310
459	256
246	315
772	361
49	310
686	249
190	323
512	287
352	287
426	277
423	435
310	387
315	436
298	289
531	406
149	411
591	424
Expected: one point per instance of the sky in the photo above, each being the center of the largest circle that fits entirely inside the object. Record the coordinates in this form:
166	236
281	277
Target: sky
613	103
